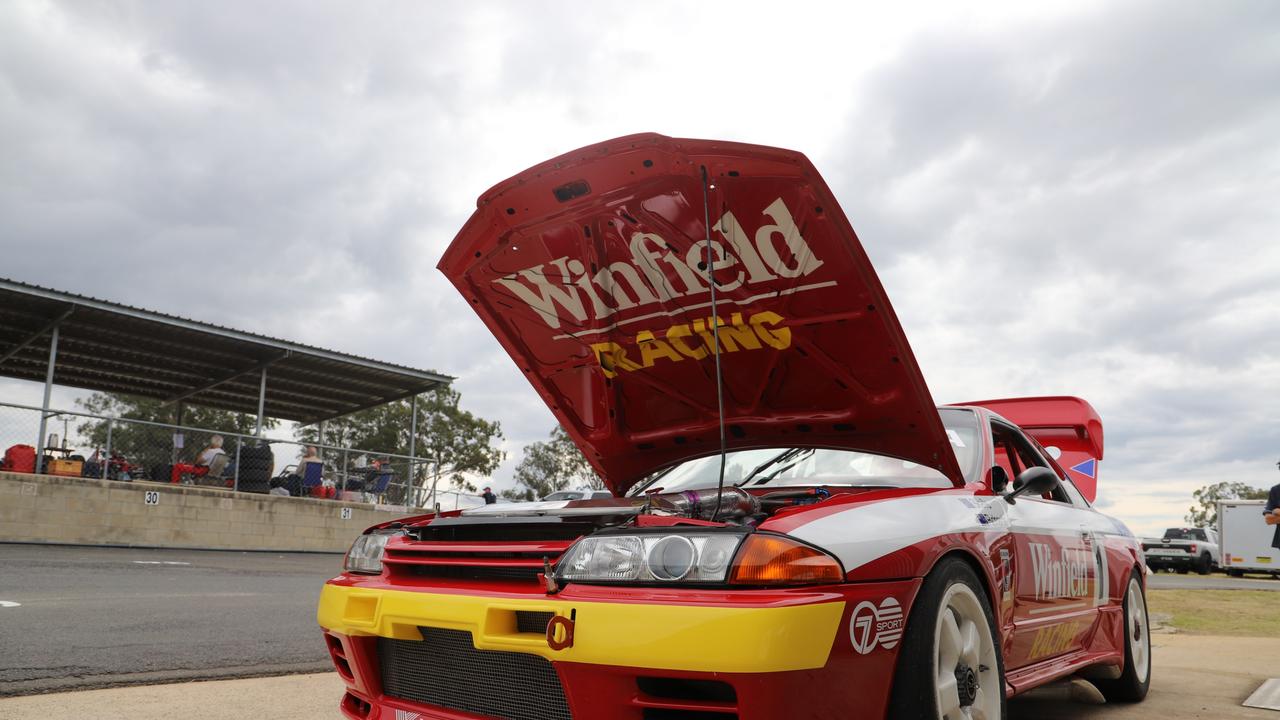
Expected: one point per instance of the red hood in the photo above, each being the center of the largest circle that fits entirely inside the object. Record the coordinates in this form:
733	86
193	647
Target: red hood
588	269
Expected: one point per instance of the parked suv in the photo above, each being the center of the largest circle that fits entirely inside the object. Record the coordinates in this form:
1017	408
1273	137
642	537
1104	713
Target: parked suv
1184	549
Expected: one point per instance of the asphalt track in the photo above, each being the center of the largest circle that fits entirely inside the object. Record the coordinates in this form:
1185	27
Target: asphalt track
1215	581
96	617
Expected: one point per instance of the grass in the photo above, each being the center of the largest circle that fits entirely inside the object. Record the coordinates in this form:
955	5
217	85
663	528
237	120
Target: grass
1252	613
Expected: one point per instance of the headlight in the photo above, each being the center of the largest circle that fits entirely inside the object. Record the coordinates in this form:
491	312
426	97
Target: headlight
683	557
365	555
757	559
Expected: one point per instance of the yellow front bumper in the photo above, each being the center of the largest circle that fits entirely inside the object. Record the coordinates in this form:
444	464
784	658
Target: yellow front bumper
696	638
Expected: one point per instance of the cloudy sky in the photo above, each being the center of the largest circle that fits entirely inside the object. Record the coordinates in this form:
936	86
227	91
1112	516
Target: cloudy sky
1072	199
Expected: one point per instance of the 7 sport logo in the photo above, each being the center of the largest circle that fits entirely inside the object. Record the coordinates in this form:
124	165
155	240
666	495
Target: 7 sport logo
871	627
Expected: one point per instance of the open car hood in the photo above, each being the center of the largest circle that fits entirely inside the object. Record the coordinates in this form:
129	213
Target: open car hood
590	269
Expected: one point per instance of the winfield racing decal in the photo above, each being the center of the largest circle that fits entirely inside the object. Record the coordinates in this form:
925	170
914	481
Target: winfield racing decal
695	340
564	291
871	627
1070	576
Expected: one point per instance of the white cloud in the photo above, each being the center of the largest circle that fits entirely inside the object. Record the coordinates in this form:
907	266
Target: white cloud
1067	198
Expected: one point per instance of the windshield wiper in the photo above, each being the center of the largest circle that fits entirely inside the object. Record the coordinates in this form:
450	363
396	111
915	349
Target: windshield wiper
784	455
640	488
799	454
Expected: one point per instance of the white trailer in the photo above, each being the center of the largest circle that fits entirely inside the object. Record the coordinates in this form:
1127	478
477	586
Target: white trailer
1246	538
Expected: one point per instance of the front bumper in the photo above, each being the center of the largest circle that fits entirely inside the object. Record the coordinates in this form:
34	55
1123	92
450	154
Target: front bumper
636	653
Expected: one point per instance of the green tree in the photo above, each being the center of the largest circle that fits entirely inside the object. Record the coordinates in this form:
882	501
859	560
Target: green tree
552	465
147	445
452	442
1205	512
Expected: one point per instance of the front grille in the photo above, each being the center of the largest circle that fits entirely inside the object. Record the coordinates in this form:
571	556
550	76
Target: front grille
474	572
483	561
446	670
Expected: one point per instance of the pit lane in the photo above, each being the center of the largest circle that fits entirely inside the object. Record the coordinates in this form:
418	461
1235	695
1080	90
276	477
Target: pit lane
1196	678
1216	581
94	617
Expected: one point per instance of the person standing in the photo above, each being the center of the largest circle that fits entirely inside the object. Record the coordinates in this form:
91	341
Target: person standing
1272	512
490	498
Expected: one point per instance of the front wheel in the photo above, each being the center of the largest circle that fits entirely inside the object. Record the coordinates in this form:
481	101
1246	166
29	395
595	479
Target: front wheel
950	666
1133	683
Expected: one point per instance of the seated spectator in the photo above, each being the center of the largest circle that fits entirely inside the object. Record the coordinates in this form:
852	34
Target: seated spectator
211	461
213	450
310	455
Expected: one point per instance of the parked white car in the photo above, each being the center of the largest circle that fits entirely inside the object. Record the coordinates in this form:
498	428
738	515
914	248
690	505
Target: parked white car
585	494
1184	549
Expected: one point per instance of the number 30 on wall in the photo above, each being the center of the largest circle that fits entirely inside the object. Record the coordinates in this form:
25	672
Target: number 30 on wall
150	497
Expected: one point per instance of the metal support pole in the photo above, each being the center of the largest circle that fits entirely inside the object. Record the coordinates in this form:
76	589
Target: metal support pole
177	421
262	400
235	483
321	443
48	392
413	428
410	480
105	457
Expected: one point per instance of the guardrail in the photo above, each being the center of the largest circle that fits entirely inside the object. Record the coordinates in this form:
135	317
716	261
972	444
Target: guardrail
125	449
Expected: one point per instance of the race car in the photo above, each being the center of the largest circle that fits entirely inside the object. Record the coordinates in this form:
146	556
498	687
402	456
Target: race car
797	530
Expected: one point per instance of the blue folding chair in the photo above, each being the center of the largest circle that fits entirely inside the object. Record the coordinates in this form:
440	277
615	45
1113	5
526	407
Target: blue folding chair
312	477
380	483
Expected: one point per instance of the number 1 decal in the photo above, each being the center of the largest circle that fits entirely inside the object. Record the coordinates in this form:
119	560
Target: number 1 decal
1100	582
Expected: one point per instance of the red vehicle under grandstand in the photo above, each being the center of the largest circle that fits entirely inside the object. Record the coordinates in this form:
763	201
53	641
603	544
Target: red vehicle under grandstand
797	533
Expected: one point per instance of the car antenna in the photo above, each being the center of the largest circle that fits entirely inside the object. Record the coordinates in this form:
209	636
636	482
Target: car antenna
715	334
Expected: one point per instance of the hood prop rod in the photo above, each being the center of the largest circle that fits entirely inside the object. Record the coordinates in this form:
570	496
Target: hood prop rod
715	333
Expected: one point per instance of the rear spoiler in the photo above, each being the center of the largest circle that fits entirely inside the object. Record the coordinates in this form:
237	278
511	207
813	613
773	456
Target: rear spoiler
1069	424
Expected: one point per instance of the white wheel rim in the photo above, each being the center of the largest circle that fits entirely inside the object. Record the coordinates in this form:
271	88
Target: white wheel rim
966	674
1138	631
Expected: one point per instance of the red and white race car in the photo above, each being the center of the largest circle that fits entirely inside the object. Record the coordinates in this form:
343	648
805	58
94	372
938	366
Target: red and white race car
796	533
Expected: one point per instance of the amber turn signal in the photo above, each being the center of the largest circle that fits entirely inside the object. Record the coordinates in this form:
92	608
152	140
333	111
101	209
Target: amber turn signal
775	560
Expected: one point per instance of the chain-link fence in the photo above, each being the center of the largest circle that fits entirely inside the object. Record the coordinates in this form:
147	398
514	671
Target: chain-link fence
87	445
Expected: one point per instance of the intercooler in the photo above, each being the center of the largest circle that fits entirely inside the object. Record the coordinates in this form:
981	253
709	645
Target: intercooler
444	669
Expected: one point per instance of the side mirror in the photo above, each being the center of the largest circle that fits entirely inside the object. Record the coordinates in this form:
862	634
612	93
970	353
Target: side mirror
999	480
1033	481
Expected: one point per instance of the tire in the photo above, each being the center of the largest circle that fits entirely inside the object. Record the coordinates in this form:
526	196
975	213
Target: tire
1133	683
950	629
1204	565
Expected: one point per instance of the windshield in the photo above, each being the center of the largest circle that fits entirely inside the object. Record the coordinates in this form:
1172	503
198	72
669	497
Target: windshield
1184	534
789	466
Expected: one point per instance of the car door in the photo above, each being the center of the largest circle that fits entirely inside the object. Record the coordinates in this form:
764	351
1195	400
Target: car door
1058	581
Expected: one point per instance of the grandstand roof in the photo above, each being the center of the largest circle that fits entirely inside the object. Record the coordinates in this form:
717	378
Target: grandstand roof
110	347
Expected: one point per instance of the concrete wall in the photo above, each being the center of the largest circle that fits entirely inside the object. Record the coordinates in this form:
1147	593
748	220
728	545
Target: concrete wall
44	508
